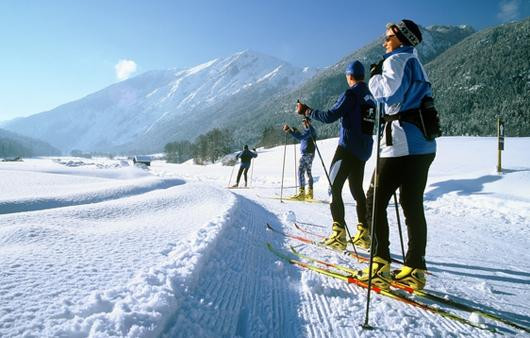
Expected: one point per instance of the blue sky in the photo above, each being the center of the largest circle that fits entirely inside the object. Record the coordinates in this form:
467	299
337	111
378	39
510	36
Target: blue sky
57	51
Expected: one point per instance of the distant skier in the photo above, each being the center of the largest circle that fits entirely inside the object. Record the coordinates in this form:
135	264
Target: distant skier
354	149
246	156
307	148
407	151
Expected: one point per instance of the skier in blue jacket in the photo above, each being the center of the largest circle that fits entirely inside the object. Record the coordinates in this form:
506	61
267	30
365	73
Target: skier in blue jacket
407	151
246	157
354	149
307	148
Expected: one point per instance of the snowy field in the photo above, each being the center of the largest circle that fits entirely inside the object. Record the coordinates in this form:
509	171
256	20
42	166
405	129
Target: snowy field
100	248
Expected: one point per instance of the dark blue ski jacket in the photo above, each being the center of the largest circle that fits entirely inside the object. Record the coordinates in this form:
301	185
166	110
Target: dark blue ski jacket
306	142
348	110
246	156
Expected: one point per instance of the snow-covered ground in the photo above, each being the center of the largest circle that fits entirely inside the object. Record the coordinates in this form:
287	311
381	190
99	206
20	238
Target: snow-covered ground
100	248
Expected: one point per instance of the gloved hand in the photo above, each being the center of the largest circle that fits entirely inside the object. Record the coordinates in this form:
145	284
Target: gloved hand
286	128
376	68
302	109
253	149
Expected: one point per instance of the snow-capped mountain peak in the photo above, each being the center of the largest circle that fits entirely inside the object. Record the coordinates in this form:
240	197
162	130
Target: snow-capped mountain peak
118	114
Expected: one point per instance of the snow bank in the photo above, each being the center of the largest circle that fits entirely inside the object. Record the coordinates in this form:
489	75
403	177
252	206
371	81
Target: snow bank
143	306
38	185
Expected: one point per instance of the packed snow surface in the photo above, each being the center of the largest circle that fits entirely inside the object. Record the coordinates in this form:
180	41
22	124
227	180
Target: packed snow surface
102	248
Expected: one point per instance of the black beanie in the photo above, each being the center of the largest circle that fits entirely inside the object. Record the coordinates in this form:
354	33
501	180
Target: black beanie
407	32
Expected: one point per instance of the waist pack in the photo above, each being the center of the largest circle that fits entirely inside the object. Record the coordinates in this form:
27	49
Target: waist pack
425	118
429	120
367	121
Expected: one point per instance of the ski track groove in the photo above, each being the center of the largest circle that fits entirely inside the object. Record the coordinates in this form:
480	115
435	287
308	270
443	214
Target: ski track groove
277	310
324	311
253	301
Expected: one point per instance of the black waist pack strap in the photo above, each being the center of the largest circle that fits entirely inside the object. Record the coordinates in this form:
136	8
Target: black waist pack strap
412	116
388	127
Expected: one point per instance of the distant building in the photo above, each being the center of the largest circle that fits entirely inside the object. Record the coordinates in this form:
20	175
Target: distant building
142	159
12	159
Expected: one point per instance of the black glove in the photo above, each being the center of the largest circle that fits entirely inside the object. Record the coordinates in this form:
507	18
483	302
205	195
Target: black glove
254	149
286	128
376	68
302	109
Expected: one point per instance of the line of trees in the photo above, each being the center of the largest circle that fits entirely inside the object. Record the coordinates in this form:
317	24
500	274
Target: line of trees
271	137
215	144
207	148
10	148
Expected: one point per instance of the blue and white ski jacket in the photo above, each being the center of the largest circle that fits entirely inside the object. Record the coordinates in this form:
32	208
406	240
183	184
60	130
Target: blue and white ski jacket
401	87
348	109
306	141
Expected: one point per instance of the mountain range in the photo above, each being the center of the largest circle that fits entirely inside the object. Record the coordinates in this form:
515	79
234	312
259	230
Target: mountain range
474	75
144	112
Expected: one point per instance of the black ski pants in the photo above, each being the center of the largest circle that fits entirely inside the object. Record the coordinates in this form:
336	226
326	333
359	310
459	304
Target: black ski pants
410	174
346	166
243	169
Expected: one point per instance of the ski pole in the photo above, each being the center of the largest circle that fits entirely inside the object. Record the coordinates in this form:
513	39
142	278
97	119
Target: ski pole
295	180
231	173
375	182
283	168
321	160
330	184
327	176
251	172
399	227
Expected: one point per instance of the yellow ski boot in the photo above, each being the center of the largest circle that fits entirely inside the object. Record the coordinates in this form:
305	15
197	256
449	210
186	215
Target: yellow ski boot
300	196
380	273
362	237
412	277
337	239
